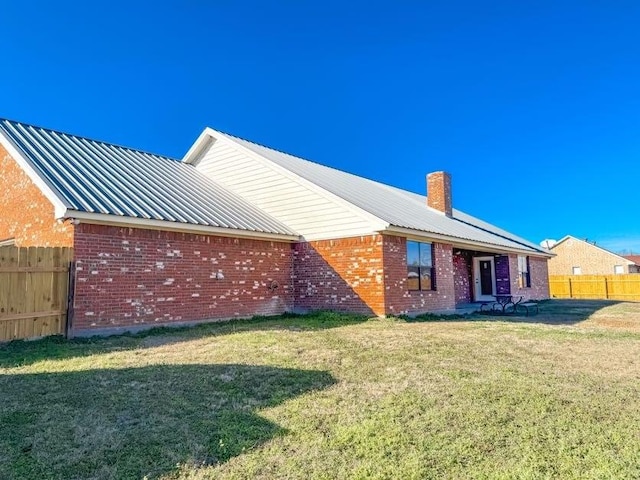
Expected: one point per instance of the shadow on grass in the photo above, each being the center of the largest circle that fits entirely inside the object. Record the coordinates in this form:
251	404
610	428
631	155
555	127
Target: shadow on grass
21	352
132	422
550	312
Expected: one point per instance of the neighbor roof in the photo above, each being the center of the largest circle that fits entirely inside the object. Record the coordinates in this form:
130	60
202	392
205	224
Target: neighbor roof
101	178
633	258
626	260
396	207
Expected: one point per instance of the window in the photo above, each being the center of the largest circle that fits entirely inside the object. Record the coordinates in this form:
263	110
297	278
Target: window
618	269
420	271
576	270
524	278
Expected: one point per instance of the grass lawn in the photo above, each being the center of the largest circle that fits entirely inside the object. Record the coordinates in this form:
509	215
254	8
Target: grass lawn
331	396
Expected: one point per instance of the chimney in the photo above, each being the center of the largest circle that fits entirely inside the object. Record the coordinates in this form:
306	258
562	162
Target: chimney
439	192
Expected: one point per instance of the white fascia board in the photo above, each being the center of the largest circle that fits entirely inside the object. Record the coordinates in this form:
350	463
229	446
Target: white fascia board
459	242
150	224
193	154
43	185
204	140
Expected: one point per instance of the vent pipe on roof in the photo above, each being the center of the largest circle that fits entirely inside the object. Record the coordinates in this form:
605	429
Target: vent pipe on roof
439	192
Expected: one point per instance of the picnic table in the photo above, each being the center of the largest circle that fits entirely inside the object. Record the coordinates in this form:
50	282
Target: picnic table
504	301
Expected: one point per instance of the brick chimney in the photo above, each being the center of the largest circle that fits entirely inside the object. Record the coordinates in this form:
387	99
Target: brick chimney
439	192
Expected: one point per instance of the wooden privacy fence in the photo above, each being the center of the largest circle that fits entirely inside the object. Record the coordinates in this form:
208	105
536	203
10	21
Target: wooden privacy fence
34	286
597	287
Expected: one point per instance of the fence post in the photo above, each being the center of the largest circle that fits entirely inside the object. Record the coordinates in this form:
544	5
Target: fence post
68	327
606	288
570	291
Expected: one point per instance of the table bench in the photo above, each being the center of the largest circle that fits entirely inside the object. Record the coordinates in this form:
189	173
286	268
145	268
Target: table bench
504	302
529	307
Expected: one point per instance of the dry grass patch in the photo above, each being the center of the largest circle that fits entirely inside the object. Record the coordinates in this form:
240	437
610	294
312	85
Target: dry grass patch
329	396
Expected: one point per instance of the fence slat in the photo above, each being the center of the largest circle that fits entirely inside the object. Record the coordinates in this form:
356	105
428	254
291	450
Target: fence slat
597	287
33	291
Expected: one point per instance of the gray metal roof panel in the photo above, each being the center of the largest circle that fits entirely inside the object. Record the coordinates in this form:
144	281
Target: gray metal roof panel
393	205
97	177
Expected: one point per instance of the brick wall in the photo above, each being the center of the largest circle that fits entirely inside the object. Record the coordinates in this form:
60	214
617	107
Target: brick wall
503	269
539	274
463	269
27	215
129	277
400	300
591	259
439	192
343	275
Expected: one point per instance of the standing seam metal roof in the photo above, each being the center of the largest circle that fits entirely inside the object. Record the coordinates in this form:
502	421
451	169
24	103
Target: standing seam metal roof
97	177
393	205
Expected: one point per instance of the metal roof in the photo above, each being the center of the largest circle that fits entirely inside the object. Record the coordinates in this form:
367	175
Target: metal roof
395	206
97	177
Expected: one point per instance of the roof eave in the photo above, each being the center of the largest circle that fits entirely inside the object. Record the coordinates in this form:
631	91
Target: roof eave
461	242
135	222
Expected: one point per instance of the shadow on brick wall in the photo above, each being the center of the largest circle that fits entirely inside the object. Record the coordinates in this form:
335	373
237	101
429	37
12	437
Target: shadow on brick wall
319	285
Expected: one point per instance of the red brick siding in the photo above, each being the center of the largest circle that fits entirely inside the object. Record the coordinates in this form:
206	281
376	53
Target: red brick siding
439	192
539	273
25	213
133	277
462	271
399	300
342	275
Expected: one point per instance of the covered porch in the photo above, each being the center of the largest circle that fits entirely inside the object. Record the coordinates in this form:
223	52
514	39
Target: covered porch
480	275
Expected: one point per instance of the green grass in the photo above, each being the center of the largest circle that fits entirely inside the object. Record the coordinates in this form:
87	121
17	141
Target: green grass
330	396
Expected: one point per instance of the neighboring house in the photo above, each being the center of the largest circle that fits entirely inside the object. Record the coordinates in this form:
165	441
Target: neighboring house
236	229
581	257
635	268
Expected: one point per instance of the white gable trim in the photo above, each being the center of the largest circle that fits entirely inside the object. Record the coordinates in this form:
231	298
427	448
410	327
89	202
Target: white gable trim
150	224
202	143
205	140
43	185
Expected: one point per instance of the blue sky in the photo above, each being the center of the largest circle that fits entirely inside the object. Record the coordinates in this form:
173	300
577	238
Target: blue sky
533	107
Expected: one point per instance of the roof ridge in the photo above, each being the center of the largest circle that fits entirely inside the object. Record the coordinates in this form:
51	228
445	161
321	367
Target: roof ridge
83	137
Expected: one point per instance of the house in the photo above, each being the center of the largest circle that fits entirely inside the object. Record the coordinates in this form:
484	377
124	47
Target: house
636	260
236	229
574	256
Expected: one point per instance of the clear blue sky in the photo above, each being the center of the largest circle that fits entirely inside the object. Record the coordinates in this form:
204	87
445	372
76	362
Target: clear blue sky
533	107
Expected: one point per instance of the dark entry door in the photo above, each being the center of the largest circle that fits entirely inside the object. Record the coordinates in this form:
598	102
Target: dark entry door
486	277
